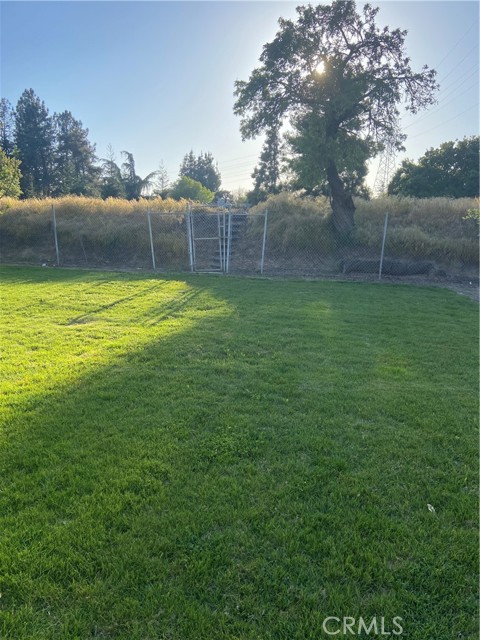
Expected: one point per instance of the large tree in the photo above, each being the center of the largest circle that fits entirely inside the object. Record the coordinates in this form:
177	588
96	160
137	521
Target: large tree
34	139
201	168
308	158
451	170
75	169
335	75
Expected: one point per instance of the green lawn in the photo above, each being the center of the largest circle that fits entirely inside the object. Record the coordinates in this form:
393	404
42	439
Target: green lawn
216	458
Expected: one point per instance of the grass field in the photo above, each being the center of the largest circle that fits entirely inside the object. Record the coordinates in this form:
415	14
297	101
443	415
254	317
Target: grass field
216	458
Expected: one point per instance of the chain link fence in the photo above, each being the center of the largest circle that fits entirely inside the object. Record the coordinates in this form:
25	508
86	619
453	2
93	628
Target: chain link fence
315	250
236	241
226	240
401	239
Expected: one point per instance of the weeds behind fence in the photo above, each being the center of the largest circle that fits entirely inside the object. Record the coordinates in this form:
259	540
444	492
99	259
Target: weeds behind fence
436	229
91	232
437	232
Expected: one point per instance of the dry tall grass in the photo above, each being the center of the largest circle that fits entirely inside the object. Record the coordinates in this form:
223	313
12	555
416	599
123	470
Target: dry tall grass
90	231
114	231
83	205
437	229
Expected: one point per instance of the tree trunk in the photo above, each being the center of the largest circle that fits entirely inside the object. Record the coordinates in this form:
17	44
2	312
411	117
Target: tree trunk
342	203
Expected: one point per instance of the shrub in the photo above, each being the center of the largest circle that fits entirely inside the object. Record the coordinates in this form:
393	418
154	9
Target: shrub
296	223
190	189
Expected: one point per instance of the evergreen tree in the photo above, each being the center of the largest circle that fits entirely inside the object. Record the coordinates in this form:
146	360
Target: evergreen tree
111	180
208	173
75	170
189	166
202	169
266	174
7	127
162	182
34	139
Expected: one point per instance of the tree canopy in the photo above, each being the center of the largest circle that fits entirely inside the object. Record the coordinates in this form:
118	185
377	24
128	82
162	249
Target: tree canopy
451	170
201	168
162	182
34	139
134	185
336	79
57	158
74	158
10	176
190	189
111	179
266	174
7	127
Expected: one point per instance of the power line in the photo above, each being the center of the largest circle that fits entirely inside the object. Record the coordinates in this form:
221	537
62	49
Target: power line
458	64
235	176
241	165
473	72
241	158
473	106
456	45
234	167
243	172
442	103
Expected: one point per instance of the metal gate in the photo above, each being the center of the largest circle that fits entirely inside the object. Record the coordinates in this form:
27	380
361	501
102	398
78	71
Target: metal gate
226	241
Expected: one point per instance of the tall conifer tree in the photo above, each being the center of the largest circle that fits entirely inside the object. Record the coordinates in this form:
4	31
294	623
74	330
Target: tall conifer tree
34	139
75	170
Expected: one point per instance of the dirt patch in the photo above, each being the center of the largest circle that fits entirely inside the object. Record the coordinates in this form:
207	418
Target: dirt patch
463	286
420	273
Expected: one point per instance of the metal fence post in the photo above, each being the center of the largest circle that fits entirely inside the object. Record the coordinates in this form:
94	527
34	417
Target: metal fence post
220	240
264	241
188	222
57	252
229	242
383	246
224	241
151	239
192	234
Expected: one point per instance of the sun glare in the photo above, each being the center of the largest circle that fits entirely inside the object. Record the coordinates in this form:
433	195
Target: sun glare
320	68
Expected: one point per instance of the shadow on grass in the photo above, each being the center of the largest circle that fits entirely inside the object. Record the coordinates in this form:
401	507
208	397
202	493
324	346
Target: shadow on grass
223	482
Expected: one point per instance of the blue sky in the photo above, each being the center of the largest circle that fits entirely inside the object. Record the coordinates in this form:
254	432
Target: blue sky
156	78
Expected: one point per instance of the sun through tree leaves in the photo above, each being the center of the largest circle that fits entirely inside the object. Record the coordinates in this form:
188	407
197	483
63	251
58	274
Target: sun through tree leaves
336	79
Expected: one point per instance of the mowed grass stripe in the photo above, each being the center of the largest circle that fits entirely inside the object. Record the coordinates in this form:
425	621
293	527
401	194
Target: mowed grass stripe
208	457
